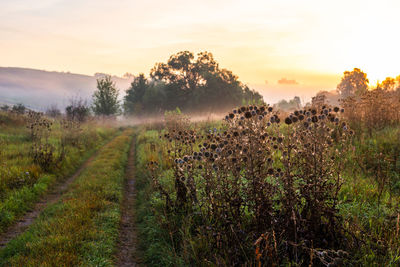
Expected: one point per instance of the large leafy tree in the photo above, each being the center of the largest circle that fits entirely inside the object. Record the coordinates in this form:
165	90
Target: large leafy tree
198	83
105	98
192	83
353	83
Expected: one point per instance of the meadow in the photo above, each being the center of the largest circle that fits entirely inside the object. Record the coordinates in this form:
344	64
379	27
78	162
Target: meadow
268	188
316	186
59	152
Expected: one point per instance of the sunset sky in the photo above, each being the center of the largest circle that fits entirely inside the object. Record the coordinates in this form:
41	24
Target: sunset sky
306	45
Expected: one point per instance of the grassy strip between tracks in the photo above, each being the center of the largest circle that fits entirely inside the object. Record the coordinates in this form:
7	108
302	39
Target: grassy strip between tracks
82	229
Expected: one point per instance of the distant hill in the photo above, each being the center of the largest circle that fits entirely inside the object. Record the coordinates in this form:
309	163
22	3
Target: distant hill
38	89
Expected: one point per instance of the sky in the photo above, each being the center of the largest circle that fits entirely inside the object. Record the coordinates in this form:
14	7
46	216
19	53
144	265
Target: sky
281	48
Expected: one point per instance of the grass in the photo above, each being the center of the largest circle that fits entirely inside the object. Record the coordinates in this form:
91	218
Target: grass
22	181
82	229
372	218
154	241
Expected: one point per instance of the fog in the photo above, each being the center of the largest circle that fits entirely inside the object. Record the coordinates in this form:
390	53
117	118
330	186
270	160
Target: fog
38	89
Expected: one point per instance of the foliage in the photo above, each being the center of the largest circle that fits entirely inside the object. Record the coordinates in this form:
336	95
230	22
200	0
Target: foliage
77	110
105	99
353	83
134	95
192	84
379	157
19	109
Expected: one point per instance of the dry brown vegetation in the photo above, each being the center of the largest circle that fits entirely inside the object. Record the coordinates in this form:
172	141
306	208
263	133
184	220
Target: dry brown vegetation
373	109
256	179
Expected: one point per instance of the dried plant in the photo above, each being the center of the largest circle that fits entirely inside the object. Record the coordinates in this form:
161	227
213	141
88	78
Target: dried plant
259	175
373	110
42	151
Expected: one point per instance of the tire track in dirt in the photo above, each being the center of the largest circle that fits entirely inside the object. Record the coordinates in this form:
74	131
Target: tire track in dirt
126	247
55	194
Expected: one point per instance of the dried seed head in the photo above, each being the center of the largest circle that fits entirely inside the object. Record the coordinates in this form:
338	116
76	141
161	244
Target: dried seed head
288	121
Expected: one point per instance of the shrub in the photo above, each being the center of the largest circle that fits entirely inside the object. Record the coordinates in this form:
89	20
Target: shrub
77	110
19	109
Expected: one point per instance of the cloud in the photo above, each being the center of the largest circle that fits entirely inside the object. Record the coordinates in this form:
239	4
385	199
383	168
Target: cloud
287	81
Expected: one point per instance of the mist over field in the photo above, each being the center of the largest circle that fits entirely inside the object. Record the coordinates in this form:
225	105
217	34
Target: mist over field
199	133
38	89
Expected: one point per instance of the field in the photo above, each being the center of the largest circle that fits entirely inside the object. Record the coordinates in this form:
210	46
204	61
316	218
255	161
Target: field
262	187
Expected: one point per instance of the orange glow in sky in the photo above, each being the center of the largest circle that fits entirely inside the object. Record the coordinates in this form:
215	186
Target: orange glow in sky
311	42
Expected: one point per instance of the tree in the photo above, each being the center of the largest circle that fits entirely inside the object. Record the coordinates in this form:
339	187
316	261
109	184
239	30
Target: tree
353	83
197	83
105	99
77	110
398	83
290	105
388	84
133	100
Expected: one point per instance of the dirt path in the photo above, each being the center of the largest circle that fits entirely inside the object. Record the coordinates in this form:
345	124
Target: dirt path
52	197
127	235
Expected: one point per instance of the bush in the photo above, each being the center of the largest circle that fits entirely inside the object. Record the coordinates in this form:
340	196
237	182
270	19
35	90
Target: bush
19	109
77	110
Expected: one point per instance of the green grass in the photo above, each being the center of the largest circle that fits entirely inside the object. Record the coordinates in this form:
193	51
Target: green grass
82	229
154	241
373	222
22	182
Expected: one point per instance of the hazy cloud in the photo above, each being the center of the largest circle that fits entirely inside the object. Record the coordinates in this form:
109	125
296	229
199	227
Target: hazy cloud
287	81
